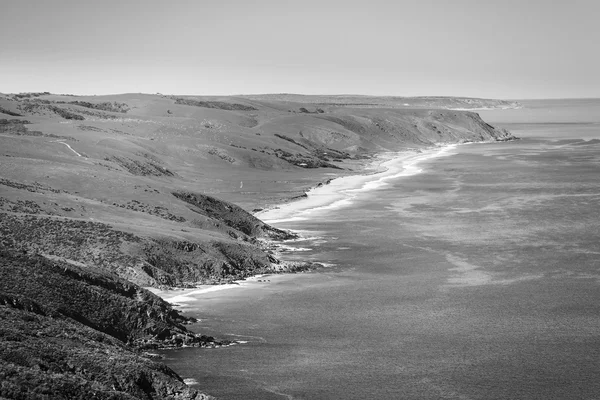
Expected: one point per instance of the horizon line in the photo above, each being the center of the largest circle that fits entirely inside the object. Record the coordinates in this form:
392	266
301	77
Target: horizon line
309	94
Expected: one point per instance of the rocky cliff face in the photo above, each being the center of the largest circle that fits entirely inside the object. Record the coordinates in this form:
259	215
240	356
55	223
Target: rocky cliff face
69	332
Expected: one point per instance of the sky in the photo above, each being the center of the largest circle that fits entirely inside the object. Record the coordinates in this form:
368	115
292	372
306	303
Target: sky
476	48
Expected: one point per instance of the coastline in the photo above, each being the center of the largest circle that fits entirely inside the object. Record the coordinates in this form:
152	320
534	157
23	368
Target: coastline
341	191
175	296
337	193
204	301
146	207
195	299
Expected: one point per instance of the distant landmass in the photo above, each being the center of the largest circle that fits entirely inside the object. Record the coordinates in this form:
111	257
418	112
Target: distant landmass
101	196
450	103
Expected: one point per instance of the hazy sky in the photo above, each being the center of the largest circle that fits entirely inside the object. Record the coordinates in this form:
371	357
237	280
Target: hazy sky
476	48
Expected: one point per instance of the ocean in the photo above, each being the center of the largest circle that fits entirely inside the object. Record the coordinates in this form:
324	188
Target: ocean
475	274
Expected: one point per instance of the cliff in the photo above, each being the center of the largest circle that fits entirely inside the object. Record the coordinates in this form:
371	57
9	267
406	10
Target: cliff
69	332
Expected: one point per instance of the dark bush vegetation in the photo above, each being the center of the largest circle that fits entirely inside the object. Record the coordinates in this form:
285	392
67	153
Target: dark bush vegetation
35	187
30	95
231	215
215	104
304	161
142	168
305	111
66	114
38	106
8	112
307	161
96	299
85	241
104	106
64	334
289	139
158	211
17	127
64	331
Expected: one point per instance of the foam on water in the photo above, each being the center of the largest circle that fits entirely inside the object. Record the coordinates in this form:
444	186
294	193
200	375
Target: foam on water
293	249
342	192
191	295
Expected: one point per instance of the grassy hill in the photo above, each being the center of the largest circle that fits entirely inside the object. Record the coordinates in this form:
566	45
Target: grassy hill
100	195
107	180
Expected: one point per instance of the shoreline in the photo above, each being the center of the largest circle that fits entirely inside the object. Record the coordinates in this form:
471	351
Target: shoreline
322	197
182	295
341	191
168	207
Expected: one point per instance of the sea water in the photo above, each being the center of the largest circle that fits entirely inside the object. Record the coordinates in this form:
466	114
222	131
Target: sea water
476	278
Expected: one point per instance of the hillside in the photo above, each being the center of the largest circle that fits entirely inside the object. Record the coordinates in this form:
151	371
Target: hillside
100	195
69	332
142	185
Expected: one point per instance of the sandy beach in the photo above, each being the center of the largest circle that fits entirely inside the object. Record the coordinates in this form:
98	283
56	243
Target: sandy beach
183	297
342	191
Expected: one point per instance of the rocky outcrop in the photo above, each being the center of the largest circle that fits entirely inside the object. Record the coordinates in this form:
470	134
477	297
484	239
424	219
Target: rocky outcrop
44	357
97	299
68	332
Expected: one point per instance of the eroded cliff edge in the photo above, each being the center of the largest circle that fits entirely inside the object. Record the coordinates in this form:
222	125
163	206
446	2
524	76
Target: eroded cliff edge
99	196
